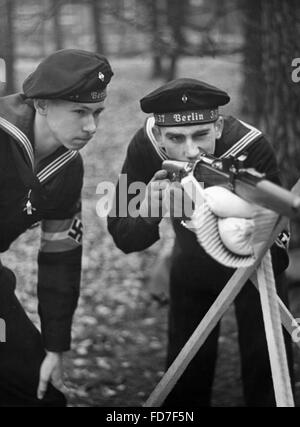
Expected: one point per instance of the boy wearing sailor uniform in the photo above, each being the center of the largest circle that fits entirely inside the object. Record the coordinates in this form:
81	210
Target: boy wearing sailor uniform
184	122
41	176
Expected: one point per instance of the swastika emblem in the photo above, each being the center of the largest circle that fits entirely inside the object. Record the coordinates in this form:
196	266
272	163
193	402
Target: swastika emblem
76	230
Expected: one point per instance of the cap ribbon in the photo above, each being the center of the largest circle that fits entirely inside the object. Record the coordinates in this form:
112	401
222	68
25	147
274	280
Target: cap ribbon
181	118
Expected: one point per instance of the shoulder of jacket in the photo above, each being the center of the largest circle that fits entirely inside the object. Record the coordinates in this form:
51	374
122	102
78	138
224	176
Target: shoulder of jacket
75	169
237	137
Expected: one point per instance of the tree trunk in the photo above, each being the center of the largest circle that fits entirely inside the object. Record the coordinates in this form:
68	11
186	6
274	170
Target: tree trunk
177	11
157	66
253	86
281	40
96	9
281	43
58	35
122	29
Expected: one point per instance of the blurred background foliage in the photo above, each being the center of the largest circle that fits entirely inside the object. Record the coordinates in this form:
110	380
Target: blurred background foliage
264	36
246	48
264	33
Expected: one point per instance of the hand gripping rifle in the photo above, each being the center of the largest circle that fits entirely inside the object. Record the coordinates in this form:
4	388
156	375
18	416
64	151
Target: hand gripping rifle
246	183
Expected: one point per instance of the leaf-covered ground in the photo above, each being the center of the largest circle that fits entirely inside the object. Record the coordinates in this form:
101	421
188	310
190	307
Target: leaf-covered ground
119	331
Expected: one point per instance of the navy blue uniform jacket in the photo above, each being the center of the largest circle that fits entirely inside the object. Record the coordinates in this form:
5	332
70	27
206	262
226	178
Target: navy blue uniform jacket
50	193
145	157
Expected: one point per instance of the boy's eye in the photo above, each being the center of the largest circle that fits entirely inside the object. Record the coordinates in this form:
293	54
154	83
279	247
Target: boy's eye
201	135
176	139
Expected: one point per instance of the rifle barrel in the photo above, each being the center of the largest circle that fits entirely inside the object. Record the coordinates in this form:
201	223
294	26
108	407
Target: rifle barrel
270	196
247	184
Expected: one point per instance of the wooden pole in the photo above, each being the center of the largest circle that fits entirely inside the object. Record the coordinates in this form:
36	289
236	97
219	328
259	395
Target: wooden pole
208	323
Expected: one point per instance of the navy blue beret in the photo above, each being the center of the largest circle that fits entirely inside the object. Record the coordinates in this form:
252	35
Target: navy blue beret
70	74
184	101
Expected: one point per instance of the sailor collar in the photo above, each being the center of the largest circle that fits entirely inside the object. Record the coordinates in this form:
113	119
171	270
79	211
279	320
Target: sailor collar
250	135
53	164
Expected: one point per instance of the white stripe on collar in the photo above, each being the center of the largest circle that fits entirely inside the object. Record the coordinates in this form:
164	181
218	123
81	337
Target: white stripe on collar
56	165
244	142
149	129
237	148
240	145
50	169
17	134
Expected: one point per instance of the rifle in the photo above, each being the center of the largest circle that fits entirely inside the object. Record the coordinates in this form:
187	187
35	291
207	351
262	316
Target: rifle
246	183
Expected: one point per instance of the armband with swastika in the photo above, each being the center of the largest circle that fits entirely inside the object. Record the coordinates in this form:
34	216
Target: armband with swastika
76	231
61	235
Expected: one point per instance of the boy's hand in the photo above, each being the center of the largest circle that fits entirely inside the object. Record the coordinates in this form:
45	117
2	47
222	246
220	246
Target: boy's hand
152	208
51	371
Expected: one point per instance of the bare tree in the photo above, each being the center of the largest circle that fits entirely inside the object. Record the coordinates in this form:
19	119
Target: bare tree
58	35
155	23
253	85
281	43
274	97
97	10
177	12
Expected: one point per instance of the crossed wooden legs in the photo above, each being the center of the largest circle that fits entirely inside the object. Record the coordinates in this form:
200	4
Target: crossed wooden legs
263	278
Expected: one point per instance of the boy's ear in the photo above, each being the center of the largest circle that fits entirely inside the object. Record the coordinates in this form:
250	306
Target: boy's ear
157	135
41	106
219	126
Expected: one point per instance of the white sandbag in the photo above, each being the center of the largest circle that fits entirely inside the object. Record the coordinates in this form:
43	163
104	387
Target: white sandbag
236	234
223	203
